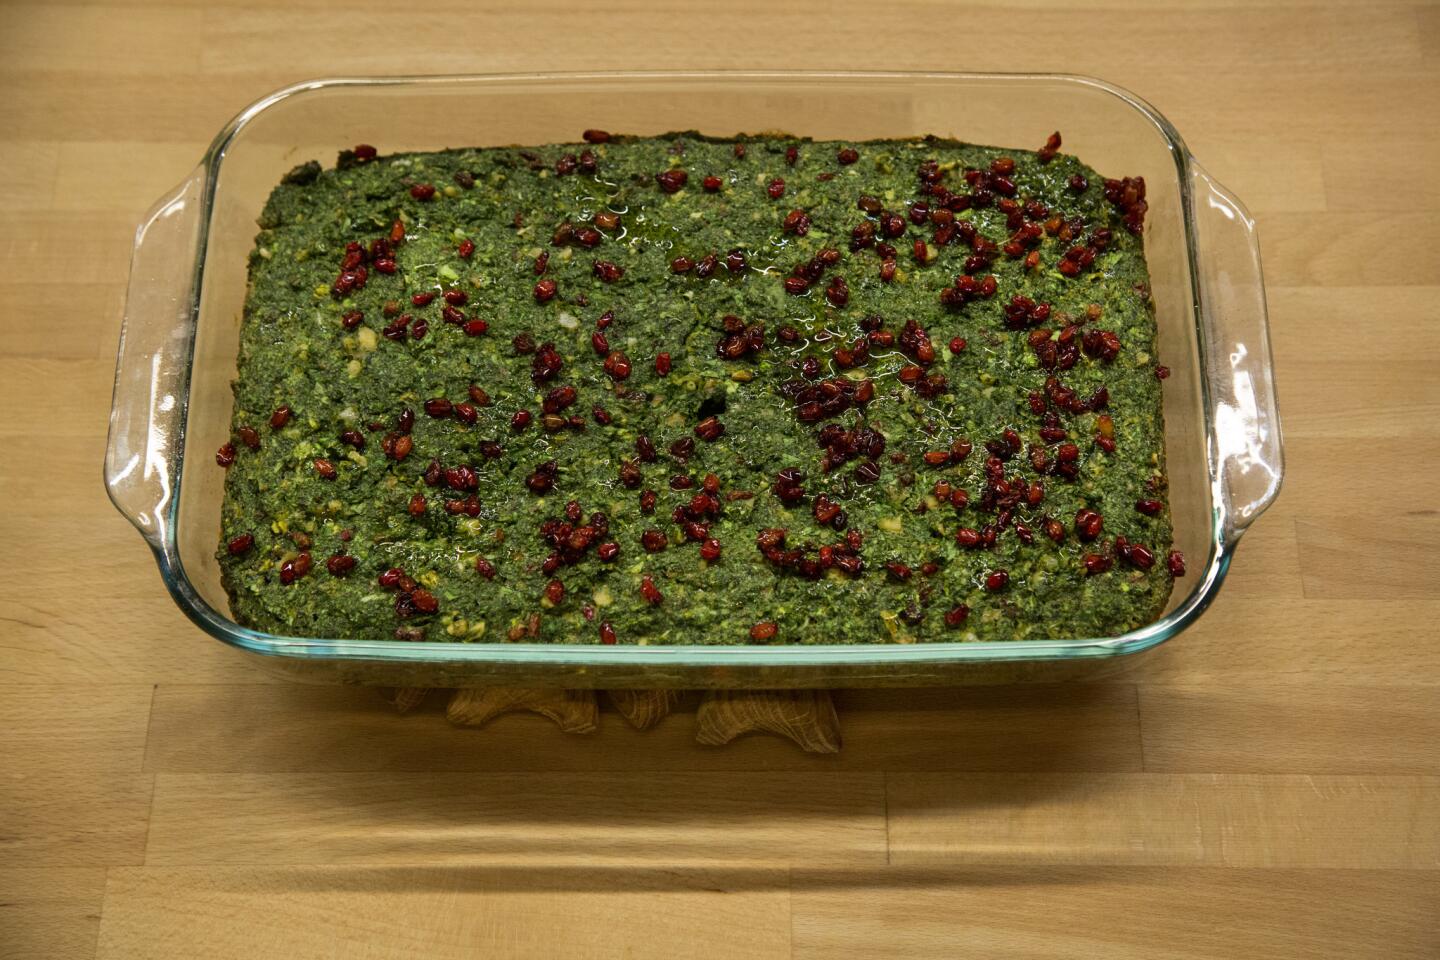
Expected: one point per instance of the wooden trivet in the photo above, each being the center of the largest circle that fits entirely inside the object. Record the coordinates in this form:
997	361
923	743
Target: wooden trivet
806	717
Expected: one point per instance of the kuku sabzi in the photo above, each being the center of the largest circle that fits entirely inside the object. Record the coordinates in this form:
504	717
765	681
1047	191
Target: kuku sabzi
682	390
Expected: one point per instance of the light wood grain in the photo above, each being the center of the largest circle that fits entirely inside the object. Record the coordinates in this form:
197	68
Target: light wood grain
1291	729
50	913
1401	324
1428	22
80	246
318	913
32	186
1380	642
64	341
78	188
1263	787
1279	182
71	789
1125	913
1232	820
518	819
1403	154
131	639
81	819
69	392
1319	249
60	728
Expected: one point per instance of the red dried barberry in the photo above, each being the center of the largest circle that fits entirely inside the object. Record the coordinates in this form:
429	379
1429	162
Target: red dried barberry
292	570
424	601
542	479
710	429
1088	524
340	564
672	181
1052	146
617	365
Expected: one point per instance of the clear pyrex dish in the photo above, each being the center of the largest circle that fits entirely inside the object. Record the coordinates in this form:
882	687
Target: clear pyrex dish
188	281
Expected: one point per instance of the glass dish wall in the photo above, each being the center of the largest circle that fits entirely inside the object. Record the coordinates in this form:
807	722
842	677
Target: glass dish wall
177	353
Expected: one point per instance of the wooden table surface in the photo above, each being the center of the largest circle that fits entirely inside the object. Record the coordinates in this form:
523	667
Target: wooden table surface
1268	786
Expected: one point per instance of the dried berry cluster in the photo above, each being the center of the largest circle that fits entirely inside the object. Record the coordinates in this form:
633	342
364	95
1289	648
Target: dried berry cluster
571	537
827	398
380	255
410	597
809	561
1129	195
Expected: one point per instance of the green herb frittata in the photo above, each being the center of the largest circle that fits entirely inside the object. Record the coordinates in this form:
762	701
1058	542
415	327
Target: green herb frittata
689	390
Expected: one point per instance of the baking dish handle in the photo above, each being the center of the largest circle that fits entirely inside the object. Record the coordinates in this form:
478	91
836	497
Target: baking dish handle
147	410
1236	354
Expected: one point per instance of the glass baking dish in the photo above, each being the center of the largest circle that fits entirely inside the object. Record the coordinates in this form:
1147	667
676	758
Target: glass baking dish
188	280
